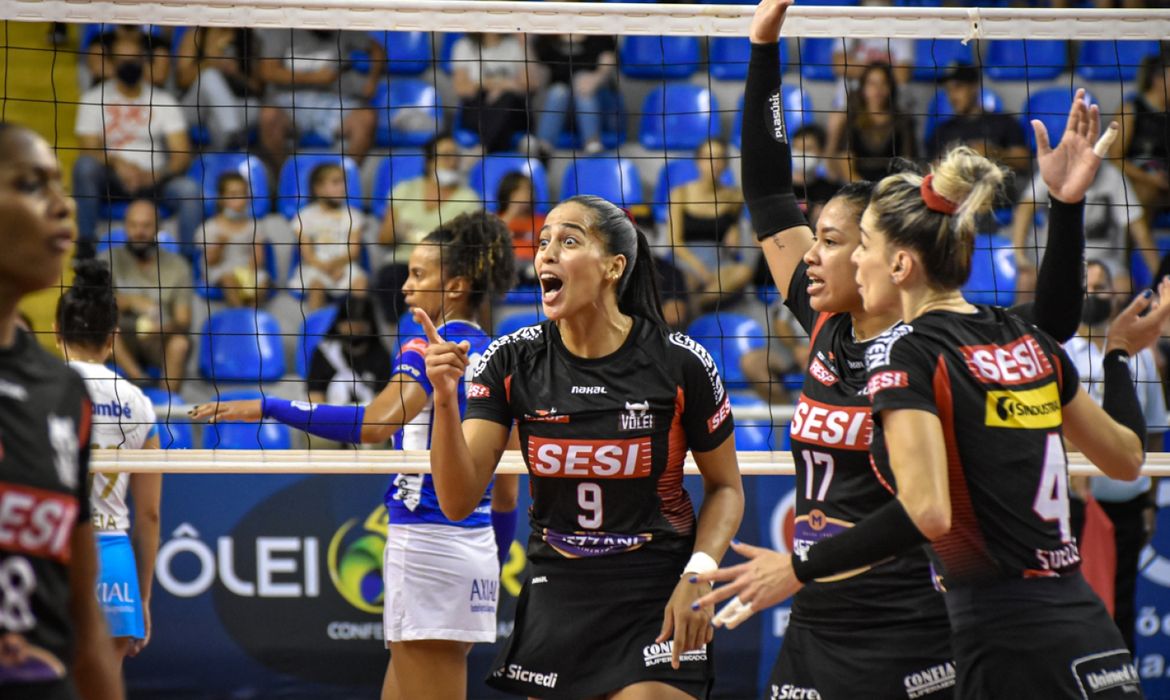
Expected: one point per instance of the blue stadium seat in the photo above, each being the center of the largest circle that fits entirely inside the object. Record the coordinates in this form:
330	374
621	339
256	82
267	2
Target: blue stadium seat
157	396
241	345
1113	60
816	58
798	111
395	98
728	56
659	57
407	53
265	435
679	116
1142	275
753	436
447	44
993	271
91	32
396	168
614	179
1025	59
485	175
207	168
292	190
1050	106
675	173
314	328
518	320
939	110
932	56
175	435
613	122
523	295
728	337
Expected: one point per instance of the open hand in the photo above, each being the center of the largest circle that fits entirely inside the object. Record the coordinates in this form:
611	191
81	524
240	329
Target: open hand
759	583
1070	168
1131	331
767	21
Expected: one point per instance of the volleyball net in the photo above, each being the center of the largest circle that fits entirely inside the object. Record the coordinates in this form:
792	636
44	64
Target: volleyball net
285	147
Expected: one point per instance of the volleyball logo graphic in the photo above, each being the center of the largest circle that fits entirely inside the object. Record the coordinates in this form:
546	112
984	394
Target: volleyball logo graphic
355	561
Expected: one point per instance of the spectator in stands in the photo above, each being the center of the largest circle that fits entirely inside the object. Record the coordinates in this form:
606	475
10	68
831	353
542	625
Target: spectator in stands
220	86
997	136
1129	504
705	235
516	197
234	245
315	85
101	59
154	291
873	131
1113	219
573	70
134	146
1144	146
349	365
490	73
811	176
417	207
329	238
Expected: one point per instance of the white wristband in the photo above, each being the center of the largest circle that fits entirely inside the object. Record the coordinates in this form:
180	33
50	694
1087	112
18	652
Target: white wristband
700	563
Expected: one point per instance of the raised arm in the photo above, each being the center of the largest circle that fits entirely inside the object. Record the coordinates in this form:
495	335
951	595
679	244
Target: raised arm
766	161
1068	171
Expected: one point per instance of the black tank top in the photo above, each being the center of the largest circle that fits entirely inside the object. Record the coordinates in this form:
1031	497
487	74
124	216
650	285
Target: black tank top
1150	146
704	229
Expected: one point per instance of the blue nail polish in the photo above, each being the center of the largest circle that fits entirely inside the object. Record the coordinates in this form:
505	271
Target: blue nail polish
695	606
736	542
693	579
1147	294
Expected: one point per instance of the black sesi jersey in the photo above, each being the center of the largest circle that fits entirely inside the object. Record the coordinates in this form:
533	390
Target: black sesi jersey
44	459
604	439
837	486
997	385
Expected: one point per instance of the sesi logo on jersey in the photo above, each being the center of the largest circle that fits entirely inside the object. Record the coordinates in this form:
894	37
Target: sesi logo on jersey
844	427
594	459
1019	362
720	415
475	390
886	379
36	522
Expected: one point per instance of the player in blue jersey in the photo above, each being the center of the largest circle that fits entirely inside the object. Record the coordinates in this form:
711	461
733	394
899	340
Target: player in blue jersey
435	605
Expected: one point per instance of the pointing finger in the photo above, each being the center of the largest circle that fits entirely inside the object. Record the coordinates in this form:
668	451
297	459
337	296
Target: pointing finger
428	326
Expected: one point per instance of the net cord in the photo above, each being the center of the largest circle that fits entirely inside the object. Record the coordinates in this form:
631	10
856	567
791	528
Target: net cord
602	18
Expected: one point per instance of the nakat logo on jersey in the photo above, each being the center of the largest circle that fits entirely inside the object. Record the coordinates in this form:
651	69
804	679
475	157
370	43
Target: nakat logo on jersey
588	390
1034	408
596	459
822	373
1019	362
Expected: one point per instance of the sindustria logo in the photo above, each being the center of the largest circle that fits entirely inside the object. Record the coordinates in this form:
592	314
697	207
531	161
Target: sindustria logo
357	572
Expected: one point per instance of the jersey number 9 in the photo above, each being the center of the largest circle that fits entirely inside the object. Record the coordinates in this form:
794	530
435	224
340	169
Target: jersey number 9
589	500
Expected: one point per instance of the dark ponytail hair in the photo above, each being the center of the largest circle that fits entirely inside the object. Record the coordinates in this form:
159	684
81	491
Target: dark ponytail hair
638	288
87	312
477	246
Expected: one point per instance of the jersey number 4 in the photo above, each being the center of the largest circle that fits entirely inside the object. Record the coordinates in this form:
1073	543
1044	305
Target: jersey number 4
1051	502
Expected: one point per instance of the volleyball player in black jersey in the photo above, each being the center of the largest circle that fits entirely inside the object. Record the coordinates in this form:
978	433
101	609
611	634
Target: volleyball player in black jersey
970	406
53	639
607	401
882	628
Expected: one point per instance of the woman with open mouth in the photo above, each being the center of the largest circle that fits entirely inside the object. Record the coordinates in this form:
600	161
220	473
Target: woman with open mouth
607	402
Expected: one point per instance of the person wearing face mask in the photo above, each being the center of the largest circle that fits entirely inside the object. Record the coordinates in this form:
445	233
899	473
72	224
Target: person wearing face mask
349	366
1129	504
417	207
329	235
235	245
154	292
133	140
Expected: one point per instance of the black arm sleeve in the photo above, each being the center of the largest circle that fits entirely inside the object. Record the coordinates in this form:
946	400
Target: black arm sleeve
767	159
1120	399
1060	282
888	532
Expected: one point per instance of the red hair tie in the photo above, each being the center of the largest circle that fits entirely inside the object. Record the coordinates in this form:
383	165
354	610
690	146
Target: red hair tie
628	215
934	200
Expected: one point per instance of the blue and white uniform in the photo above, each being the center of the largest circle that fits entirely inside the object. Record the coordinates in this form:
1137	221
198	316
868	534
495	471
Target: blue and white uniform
123	418
441	577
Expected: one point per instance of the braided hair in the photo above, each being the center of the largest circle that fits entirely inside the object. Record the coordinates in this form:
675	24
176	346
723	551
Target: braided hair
87	312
